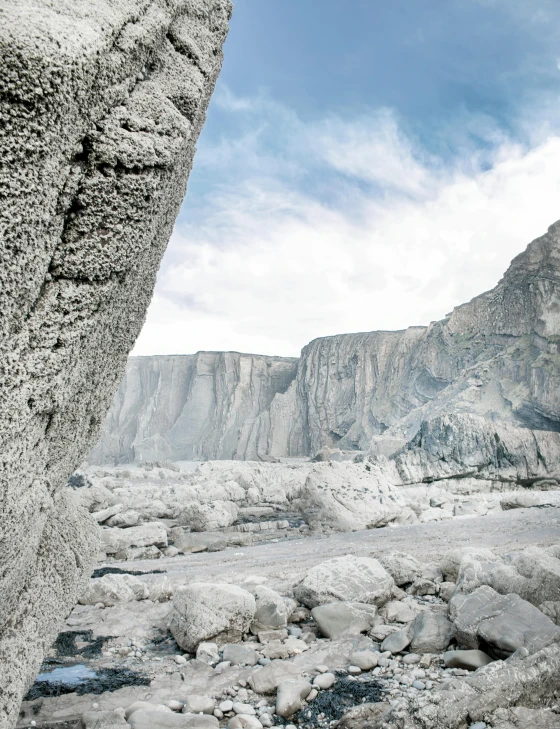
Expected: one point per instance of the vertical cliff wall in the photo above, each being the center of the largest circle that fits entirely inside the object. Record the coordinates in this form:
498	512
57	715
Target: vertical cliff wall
189	408
496	356
101	104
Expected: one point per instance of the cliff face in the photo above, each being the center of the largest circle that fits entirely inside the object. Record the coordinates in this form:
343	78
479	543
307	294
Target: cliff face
190	408
101	104
496	356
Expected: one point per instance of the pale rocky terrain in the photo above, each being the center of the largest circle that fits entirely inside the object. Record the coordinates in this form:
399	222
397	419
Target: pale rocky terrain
372	540
410	583
413	626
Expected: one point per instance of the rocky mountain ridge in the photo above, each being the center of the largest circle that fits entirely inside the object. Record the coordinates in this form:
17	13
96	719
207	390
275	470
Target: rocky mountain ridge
495	356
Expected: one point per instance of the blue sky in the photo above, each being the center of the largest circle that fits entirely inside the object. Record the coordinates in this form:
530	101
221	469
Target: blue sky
364	165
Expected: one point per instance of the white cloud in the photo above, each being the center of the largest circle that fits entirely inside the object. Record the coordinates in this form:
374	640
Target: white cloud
353	228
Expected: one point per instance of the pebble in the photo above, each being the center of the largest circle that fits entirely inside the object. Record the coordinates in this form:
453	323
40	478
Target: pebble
174	705
478	725
354	670
180	660
294	631
244	721
324	681
266	720
225	706
264	661
240	708
322	669
411	658
420	685
218	714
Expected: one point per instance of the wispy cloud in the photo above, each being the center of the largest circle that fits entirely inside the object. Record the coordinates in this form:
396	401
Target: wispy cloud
333	225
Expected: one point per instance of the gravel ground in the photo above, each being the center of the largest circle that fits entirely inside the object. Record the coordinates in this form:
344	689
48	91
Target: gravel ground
285	561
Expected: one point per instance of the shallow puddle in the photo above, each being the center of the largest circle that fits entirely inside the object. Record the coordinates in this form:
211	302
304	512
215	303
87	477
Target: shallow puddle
68	675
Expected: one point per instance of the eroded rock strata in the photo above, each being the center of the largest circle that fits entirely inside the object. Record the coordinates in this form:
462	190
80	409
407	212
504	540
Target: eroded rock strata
496	356
101	105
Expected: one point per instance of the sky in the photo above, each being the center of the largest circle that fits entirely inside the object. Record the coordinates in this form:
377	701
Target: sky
364	165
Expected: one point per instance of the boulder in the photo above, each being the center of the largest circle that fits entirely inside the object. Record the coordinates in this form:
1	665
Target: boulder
366	660
446	590
336	619
195	704
146	535
469	660
201	517
131	553
324	681
526	500
105	514
349	497
289	696
266	680
519	717
190	543
451	561
397	641
402	567
271	611
532	573
364	716
356	579
202	611
552	610
397	611
422	586
502	623
431	633
240	654
207	652
245	721
147	706
125	519
112	589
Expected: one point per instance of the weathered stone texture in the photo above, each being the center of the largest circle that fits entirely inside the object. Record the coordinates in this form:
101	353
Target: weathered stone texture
100	107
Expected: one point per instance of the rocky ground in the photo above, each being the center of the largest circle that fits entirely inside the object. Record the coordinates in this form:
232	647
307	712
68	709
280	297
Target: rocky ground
262	615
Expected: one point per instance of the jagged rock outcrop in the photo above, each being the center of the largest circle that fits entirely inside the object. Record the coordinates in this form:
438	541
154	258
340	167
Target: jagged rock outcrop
496	357
101	105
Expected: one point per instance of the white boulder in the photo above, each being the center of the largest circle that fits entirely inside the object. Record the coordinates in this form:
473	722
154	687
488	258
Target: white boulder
204	611
348	578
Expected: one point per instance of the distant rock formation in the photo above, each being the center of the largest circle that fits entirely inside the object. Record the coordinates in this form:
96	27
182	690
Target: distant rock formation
496	356
194	407
101	105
